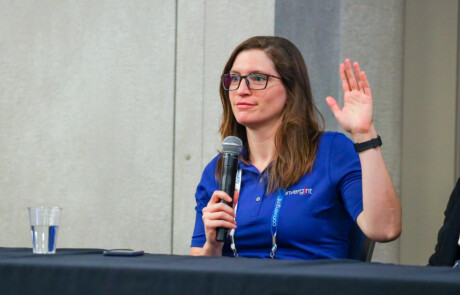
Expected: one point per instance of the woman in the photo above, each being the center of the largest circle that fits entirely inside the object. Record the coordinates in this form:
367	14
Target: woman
301	188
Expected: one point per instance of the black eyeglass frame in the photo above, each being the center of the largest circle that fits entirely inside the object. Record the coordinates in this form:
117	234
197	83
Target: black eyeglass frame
247	81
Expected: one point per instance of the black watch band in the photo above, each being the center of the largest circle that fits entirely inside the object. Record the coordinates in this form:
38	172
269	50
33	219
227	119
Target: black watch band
371	144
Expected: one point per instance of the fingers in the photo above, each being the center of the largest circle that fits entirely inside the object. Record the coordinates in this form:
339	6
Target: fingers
332	103
350	81
217	214
366	87
351	75
344	78
213	224
358	76
219	207
220	195
357	69
219	219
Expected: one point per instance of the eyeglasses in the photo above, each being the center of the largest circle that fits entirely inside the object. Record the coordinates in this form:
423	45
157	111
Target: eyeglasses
254	81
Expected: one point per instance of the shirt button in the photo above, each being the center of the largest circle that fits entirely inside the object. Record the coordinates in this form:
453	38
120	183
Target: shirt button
258	199
261	180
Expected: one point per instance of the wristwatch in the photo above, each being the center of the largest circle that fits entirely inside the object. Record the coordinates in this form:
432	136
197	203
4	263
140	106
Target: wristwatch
371	144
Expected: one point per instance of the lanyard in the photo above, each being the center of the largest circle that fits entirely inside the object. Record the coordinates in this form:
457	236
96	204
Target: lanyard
232	232
274	219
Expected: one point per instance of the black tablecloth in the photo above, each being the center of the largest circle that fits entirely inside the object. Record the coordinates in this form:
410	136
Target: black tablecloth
87	271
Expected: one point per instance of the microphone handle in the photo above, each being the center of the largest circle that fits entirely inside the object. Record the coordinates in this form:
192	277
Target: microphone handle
227	184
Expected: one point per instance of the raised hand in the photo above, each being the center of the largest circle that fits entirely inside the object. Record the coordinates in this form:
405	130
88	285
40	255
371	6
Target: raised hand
357	112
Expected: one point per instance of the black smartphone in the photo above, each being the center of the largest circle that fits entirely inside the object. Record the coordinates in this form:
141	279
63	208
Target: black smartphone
123	252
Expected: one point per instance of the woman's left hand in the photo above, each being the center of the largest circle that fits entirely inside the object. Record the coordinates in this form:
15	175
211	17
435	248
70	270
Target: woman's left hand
357	112
380	219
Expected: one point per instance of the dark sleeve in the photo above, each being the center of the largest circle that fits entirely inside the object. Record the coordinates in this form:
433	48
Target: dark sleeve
447	249
345	171
203	194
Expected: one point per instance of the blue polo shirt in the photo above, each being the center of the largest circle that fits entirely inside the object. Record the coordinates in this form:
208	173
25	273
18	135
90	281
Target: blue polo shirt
316	215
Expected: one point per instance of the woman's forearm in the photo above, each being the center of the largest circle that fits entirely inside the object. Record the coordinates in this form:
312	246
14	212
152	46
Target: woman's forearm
381	216
207	250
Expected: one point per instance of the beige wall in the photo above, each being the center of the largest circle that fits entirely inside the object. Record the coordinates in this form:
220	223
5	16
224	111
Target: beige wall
375	39
428	143
93	117
84	89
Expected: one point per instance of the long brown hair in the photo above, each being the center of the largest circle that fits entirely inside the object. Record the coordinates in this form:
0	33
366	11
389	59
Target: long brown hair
297	138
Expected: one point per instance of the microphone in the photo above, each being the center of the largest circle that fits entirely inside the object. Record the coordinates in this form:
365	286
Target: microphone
231	148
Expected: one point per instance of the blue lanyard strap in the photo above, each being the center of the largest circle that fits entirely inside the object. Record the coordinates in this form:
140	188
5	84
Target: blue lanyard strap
232	232
275	219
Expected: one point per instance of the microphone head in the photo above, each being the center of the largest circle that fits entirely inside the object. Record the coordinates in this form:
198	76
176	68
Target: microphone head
232	145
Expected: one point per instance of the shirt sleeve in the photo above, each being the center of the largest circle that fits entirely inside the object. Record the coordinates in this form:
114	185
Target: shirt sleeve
345	171
204	191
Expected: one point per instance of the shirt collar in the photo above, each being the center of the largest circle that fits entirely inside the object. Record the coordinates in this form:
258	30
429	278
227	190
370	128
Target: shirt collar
246	167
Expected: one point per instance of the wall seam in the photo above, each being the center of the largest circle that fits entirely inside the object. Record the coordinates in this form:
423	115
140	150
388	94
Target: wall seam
174	129
203	86
401	139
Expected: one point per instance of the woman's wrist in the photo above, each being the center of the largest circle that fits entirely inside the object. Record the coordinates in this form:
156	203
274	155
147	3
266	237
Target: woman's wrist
359	137
212	249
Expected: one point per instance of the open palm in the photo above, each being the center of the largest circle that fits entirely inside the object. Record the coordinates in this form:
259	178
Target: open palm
357	112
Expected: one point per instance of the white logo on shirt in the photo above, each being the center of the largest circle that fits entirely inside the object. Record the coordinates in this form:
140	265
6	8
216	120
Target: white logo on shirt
301	192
